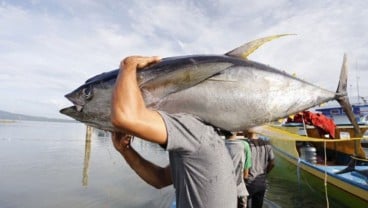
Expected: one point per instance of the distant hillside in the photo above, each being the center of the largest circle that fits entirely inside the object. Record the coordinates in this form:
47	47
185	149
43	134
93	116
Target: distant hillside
4	115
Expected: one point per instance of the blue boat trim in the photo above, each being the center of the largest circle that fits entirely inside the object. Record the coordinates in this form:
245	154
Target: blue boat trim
329	171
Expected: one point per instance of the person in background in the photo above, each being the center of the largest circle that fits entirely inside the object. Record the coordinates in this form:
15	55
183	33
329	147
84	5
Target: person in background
240	153
262	163
200	166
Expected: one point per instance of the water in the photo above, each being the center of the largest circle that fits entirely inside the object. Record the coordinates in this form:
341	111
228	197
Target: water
44	164
41	165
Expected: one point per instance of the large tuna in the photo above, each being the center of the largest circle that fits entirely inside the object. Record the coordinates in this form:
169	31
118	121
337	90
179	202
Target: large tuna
227	91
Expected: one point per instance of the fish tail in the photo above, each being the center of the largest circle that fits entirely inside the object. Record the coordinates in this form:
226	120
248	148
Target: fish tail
343	99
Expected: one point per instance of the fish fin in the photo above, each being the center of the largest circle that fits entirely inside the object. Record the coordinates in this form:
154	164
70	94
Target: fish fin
248	48
343	99
184	73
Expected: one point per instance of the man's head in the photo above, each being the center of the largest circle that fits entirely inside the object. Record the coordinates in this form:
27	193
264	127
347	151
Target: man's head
249	133
229	134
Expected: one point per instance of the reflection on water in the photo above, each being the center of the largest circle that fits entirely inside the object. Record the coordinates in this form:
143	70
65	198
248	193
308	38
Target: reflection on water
54	165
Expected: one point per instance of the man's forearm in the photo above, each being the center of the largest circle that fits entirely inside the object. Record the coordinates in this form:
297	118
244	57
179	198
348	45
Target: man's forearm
154	175
128	110
126	98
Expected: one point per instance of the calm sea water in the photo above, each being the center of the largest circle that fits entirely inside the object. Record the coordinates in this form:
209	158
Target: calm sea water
45	164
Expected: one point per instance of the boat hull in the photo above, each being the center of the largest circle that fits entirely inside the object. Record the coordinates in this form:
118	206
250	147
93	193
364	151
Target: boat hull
338	187
313	179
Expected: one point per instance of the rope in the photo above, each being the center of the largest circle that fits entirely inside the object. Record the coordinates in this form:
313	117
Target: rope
305	128
325	180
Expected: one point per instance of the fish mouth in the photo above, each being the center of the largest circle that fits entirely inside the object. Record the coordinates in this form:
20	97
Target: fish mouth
76	107
68	109
71	110
78	104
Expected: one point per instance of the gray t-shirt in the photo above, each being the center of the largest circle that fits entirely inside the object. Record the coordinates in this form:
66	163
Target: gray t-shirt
262	154
237	151
201	167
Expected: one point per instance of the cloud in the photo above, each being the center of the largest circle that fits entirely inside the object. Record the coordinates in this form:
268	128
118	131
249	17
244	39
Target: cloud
48	48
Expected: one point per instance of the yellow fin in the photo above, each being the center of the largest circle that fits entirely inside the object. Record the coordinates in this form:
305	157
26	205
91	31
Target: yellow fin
248	48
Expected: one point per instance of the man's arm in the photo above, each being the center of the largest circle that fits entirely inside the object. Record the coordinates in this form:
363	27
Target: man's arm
248	159
154	175
128	110
246	174
270	165
271	158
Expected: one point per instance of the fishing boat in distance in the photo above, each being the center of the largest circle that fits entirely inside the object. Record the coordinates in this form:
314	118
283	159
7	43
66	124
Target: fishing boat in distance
336	167
338	115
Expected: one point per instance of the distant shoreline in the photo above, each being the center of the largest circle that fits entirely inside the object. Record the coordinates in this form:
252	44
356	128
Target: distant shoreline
7	121
8	117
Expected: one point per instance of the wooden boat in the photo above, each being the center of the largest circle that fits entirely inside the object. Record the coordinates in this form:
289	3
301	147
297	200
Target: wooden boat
311	159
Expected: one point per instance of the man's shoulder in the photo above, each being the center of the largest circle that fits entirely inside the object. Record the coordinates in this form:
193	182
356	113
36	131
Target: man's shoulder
243	141
188	125
265	141
186	119
180	116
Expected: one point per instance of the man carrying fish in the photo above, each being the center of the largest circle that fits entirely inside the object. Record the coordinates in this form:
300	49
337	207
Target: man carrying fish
212	89
200	168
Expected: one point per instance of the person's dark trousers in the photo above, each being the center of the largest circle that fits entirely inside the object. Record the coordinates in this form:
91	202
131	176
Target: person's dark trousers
256	190
256	200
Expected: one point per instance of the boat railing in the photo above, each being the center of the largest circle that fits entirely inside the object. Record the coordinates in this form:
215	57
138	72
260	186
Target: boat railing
288	140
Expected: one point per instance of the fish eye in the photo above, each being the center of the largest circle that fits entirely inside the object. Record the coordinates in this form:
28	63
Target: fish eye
87	93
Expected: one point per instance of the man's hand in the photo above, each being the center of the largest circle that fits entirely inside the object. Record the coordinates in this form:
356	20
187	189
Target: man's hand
139	62
121	141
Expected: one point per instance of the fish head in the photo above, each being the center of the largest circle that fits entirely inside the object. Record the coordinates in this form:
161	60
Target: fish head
95	91
92	100
81	96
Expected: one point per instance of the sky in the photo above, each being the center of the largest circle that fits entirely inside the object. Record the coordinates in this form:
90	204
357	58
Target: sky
48	48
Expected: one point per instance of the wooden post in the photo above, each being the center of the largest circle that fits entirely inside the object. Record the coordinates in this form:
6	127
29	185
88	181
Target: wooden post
87	154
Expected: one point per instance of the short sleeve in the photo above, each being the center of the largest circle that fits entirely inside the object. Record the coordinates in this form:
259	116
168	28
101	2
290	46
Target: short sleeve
271	155
185	132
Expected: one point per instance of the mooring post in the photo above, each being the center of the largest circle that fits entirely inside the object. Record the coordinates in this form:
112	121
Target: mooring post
87	154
